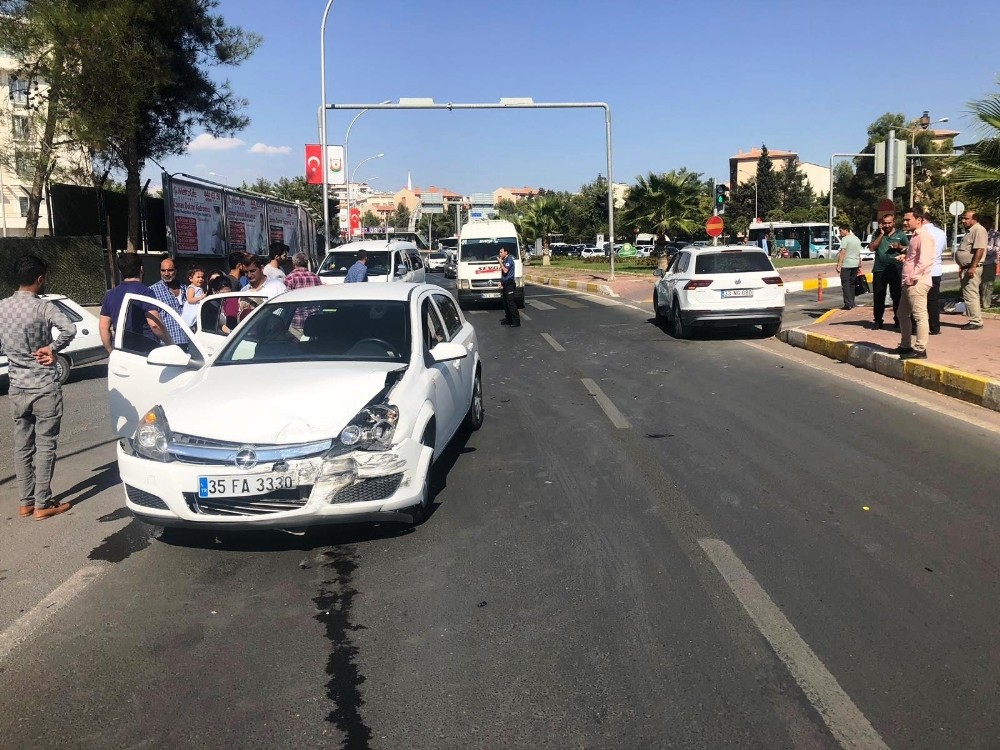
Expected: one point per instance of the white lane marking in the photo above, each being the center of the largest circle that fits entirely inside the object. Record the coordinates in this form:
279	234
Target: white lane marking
540	305
616	417
522	315
606	301
553	343
911	394
34	618
848	725
567	302
476	312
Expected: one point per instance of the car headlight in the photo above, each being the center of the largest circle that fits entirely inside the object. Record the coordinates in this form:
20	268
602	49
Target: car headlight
372	428
153	435
464	284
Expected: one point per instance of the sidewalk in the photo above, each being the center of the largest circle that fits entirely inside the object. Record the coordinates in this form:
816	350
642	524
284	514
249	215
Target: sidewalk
962	364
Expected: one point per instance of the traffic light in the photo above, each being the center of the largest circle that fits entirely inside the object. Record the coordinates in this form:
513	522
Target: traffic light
334	204
721	198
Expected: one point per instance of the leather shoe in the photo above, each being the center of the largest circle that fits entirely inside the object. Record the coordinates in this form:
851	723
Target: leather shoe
52	510
878	325
912	354
505	322
25	511
902	350
935	333
972	327
515	325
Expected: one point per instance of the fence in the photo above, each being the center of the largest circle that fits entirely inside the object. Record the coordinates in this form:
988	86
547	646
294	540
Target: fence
78	267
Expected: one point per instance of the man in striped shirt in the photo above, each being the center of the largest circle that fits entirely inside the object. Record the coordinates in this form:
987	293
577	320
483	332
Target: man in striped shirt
300	278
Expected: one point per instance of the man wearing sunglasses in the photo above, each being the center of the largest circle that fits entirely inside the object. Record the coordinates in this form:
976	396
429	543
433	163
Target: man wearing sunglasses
889	245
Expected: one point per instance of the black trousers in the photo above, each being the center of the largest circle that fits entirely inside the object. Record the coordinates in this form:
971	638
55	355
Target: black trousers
509	305
892	279
934	304
847	277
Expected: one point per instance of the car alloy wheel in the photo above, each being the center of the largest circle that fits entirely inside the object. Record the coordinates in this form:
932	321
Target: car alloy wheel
681	331
656	307
63	368
477	412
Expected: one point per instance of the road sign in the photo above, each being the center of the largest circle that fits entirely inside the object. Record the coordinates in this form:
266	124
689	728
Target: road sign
714	226
957	208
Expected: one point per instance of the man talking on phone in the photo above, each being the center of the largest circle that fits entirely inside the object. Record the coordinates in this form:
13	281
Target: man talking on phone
512	317
889	245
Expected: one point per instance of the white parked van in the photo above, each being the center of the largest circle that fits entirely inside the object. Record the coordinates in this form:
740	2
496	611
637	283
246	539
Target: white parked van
387	261
478	267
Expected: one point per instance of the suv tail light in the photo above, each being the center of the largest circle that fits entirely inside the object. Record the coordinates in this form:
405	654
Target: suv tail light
773	280
697	284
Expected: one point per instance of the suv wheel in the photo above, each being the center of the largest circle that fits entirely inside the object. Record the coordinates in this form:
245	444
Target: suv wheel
657	313
770	329
681	330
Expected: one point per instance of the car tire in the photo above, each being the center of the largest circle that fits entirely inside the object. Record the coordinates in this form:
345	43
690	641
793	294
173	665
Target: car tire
477	411
657	314
421	511
770	329
680	329
63	368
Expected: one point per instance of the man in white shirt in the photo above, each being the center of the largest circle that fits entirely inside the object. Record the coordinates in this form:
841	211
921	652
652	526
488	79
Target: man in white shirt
934	295
259	282
278	253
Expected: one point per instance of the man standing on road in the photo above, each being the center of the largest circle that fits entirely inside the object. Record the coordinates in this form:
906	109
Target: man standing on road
848	261
260	283
970	257
359	271
26	324
916	283
511	317
989	263
170	291
934	295
141	332
888	245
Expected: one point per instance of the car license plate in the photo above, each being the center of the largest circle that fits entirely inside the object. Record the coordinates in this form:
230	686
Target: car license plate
491	295
245	486
737	293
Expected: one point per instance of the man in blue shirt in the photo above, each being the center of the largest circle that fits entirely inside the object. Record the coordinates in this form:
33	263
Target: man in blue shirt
141	332
359	271
512	317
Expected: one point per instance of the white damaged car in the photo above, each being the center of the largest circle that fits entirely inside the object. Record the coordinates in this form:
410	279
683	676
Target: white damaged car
327	404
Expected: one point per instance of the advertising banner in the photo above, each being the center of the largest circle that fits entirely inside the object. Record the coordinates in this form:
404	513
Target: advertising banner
246	224
197	219
335	165
283	225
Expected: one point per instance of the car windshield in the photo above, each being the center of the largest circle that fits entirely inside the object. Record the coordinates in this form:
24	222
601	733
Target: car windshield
322	331
336	263
486	249
733	262
437	256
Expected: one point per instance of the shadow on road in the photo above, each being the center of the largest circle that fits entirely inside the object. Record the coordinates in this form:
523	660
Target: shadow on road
102	478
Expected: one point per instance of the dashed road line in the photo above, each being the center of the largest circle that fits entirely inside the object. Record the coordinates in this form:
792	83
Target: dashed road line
540	305
28	623
523	316
845	720
616	417
553	343
567	302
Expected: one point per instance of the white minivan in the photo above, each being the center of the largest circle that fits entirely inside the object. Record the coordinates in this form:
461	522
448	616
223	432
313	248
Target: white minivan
395	260
478	267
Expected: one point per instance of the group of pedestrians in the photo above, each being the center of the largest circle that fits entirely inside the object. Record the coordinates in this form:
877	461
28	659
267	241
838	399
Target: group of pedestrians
908	265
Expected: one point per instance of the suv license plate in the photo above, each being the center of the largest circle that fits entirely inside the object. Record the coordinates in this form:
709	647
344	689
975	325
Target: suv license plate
246	486
737	293
491	295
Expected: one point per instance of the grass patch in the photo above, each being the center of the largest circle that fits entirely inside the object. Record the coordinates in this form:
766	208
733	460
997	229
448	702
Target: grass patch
637	266
796	262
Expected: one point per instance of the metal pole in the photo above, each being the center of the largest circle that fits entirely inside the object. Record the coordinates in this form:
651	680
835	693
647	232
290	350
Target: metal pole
326	165
611	190
913	145
890	164
347	140
3	203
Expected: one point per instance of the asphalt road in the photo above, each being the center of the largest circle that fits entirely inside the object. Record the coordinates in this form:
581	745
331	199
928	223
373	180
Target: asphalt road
651	543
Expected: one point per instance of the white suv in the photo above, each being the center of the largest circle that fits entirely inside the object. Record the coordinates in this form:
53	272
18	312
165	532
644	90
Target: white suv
726	285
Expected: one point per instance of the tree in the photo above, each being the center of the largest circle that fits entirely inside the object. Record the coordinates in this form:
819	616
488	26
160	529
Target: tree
542	217
768	196
442	224
669	202
369	219
296	190
979	168
400	218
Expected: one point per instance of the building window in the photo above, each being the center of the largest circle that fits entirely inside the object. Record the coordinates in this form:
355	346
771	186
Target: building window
21	128
24	164
18	91
24	206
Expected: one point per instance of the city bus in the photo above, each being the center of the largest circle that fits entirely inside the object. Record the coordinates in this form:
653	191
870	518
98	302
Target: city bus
805	240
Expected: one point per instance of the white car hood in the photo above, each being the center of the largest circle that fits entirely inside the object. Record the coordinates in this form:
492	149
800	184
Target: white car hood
275	403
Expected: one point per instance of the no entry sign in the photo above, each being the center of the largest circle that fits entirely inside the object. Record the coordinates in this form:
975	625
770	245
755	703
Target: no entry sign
714	226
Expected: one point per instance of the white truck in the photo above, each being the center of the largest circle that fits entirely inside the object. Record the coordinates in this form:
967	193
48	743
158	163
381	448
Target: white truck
478	267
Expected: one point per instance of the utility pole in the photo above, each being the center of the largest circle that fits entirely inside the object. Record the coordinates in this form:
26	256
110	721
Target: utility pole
890	164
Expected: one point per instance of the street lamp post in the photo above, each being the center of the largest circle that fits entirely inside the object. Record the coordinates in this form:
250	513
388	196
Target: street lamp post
322	126
350	231
347	140
924	122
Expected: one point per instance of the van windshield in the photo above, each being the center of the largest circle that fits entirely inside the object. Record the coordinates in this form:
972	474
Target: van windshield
486	249
336	263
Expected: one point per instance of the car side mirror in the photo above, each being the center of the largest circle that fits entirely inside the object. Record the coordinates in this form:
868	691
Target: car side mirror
447	351
173	356
400	271
658	272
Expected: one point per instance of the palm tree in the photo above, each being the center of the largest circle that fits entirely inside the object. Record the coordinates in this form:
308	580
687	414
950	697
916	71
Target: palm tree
542	217
667	202
979	167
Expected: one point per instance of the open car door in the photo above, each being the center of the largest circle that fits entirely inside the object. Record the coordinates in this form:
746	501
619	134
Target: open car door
141	370
220	314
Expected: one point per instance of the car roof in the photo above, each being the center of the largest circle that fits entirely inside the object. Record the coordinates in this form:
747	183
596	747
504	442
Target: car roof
702	249
391	291
368	245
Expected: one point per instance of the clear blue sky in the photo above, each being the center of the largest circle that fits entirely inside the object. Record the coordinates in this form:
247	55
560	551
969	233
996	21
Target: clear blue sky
689	83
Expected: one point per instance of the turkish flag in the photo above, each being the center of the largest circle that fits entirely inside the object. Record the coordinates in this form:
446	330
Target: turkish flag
314	164
355	219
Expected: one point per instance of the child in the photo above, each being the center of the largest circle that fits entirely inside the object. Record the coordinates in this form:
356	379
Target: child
192	296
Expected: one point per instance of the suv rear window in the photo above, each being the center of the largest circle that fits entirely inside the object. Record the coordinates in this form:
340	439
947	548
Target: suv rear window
729	262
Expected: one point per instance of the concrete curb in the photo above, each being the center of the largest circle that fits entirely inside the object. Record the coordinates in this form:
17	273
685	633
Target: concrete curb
975	389
580	286
833	280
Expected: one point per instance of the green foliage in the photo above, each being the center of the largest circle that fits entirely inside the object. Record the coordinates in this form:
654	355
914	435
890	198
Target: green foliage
400	218
442	224
669	202
979	168
369	219
768	194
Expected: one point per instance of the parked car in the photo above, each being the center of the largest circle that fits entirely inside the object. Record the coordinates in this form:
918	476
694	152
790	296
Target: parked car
395	260
591	252
86	346
451	266
727	285
380	378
